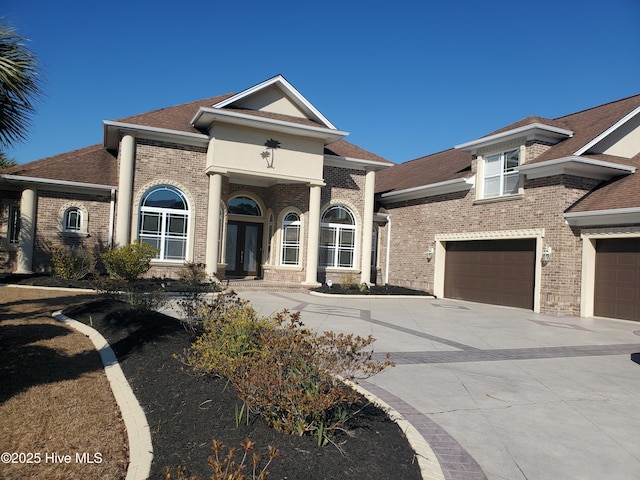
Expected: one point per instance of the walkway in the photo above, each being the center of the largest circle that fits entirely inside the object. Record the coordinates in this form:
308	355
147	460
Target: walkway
498	393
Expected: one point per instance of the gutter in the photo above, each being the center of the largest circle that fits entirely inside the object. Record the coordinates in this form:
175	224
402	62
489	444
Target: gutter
616	216
448	186
62	183
586	167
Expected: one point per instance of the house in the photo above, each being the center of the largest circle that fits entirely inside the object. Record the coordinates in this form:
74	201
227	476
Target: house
254	184
543	214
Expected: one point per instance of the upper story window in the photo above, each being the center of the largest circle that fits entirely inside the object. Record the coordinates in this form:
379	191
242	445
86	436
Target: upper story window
164	222
337	238
244	206
72	221
501	175
291	239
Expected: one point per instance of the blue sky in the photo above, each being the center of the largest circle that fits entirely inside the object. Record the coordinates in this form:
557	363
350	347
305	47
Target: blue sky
405	78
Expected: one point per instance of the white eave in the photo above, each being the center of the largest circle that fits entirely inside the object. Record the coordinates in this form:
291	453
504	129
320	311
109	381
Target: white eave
440	188
618	216
206	116
44	182
354	163
582	167
113	131
529	132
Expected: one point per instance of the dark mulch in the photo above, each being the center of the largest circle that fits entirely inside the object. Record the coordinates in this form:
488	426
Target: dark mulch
338	289
186	412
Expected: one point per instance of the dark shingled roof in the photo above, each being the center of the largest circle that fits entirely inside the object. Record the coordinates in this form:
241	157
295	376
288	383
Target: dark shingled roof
93	165
586	126
619	192
434	168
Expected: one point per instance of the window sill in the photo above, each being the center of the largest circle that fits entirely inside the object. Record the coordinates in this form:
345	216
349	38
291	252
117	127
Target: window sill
339	269
75	234
282	268
503	198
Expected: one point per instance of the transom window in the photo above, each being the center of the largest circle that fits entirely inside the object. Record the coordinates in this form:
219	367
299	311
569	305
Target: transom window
244	206
164	221
72	220
291	239
501	175
337	238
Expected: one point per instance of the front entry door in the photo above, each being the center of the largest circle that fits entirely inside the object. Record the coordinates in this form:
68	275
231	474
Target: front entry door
244	249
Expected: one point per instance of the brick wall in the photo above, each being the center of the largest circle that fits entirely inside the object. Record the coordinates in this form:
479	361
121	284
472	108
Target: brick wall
50	208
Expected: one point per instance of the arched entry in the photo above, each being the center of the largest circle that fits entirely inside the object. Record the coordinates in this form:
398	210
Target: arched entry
244	238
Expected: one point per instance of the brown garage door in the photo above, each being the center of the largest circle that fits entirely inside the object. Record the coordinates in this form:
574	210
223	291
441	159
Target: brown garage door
617	278
500	272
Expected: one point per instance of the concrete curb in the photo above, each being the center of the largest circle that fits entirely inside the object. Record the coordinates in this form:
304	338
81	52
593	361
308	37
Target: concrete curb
138	432
338	295
427	460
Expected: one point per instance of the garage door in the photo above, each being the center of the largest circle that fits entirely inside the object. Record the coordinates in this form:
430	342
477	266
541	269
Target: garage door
617	278
500	272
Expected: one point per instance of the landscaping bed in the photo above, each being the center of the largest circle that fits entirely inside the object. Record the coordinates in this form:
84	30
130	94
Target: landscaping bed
186	412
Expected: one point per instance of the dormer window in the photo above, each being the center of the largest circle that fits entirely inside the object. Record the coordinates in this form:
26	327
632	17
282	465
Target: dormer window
501	176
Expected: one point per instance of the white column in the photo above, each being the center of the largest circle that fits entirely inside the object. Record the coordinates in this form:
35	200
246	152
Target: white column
125	190
213	223
28	203
367	226
311	279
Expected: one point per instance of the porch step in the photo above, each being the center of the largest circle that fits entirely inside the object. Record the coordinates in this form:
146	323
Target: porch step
251	285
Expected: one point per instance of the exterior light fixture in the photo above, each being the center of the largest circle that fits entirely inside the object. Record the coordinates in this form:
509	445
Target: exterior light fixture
546	254
430	252
269	154
329	282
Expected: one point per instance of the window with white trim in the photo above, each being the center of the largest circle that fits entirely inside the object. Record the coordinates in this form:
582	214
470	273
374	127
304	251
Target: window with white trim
291	239
501	175
337	238
72	220
164	222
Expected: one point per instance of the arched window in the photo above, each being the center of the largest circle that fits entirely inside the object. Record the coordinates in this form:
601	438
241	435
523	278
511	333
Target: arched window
72	221
244	206
337	238
164	222
291	239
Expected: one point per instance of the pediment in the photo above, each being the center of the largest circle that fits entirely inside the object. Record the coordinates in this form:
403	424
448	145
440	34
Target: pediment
275	96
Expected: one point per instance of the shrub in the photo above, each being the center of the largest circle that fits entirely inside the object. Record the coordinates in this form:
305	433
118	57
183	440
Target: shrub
198	284
225	466
283	371
125	266
130	261
71	263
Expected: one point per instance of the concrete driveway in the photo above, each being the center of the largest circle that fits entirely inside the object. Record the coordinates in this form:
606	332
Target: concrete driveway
498	392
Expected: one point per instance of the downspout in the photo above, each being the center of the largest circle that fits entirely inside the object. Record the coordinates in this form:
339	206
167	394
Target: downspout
112	216
386	267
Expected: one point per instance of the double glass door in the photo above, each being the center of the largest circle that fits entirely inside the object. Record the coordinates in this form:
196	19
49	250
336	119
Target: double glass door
244	249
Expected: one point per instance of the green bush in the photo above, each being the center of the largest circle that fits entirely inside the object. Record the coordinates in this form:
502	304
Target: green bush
71	263
130	261
286	373
125	266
